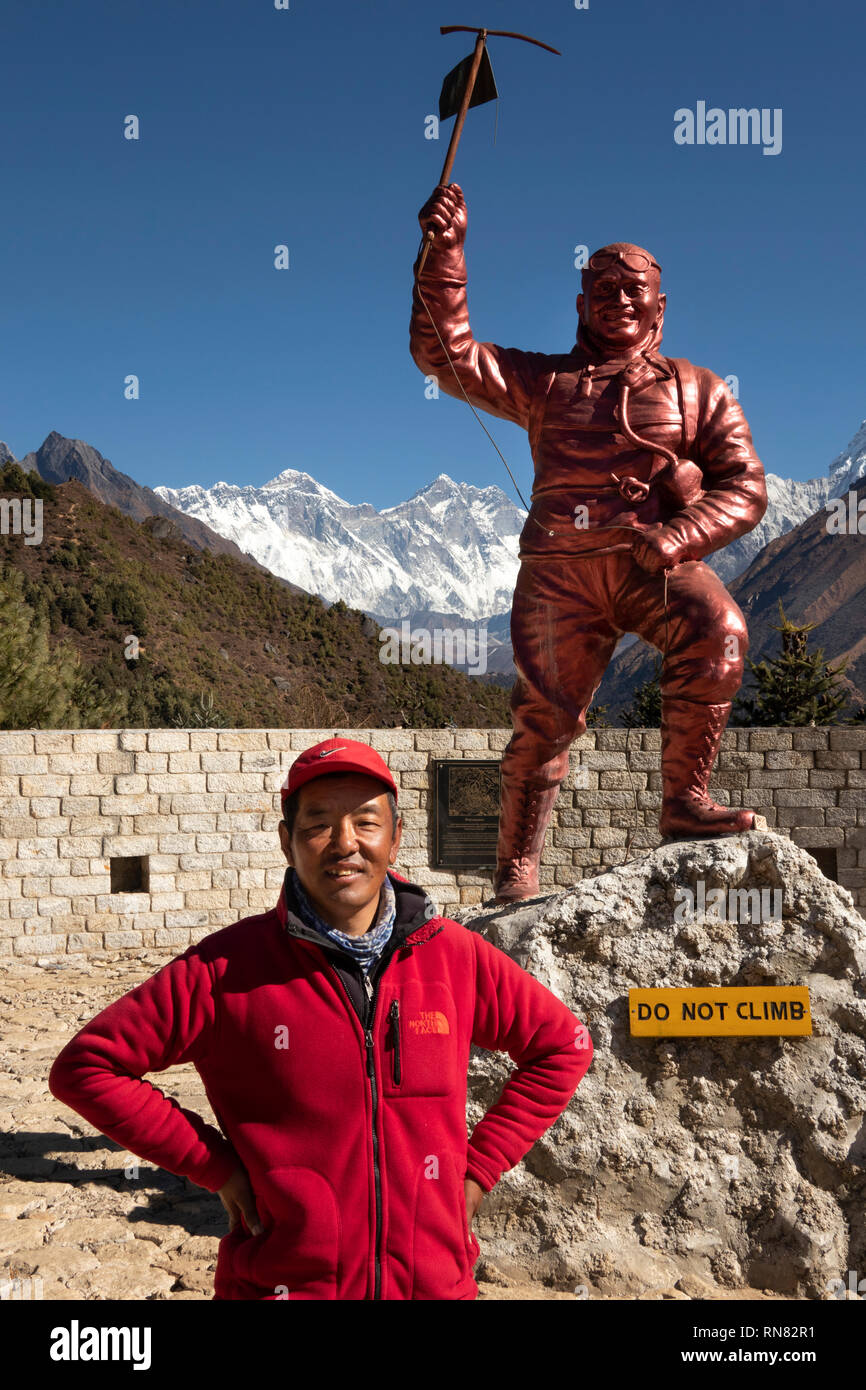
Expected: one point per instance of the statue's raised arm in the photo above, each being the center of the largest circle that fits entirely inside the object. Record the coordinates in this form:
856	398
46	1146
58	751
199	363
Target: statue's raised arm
495	379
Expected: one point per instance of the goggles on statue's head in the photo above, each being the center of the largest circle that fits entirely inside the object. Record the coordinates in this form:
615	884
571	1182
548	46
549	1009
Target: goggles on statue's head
632	260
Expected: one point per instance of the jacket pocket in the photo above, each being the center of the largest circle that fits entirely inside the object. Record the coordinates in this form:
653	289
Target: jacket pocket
422	1049
297	1254
443	1248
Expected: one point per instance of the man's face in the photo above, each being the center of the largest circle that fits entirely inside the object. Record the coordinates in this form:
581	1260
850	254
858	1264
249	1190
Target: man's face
341	846
620	305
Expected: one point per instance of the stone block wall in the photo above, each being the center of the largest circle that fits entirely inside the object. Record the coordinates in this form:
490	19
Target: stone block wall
200	808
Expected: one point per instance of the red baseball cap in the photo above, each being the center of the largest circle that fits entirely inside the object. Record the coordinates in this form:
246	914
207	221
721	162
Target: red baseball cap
336	755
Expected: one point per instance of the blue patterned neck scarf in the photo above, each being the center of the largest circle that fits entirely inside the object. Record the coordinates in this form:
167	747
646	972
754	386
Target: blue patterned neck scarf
365	949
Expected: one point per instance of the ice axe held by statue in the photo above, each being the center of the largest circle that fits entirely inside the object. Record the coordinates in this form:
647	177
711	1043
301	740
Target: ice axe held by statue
471	83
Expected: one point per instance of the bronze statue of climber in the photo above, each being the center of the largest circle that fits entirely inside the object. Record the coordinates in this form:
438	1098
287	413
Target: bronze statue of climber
644	464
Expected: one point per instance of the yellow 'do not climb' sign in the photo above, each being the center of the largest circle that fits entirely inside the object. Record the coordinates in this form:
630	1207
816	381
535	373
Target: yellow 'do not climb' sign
753	1011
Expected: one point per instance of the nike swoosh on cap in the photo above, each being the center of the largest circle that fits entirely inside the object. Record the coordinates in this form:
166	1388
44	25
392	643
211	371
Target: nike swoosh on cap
328	751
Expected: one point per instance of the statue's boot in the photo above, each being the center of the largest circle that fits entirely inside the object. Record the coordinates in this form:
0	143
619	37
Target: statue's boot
691	734
527	800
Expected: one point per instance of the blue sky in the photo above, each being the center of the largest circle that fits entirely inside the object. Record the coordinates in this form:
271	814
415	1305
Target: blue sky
306	127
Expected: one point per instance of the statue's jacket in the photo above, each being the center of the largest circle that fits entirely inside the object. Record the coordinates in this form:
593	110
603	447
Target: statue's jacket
345	1103
569	403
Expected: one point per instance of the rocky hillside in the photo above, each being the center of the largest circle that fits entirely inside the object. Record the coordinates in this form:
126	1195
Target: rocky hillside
221	642
59	460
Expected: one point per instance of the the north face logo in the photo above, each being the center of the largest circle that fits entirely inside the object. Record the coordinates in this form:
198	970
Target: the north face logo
431	1021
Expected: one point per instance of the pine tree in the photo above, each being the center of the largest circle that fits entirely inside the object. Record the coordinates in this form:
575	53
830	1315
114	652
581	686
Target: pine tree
43	687
645	710
794	688
201	716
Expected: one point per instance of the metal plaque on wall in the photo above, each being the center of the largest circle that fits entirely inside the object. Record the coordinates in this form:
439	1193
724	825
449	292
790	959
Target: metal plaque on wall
465	813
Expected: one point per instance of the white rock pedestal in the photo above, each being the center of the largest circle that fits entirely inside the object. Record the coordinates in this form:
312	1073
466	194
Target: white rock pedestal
731	1160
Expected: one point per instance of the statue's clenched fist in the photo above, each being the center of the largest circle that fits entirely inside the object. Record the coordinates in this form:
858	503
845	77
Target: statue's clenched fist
657	550
444	214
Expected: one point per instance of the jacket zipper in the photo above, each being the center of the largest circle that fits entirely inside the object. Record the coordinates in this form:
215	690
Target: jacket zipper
394	1015
371	992
374	1096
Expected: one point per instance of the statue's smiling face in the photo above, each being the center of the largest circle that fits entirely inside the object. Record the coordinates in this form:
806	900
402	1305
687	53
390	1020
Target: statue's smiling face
620	305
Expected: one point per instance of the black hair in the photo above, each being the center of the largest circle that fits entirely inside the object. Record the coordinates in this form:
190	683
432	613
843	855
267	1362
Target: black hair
290	805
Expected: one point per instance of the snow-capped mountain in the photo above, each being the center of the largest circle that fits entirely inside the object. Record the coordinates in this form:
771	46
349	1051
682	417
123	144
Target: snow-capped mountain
791	503
451	548
849	468
788	504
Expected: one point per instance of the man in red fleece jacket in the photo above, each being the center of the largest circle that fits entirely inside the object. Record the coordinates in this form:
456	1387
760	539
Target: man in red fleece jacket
332	1035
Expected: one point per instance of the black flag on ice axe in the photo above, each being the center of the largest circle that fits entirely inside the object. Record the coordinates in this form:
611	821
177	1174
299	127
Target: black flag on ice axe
455	83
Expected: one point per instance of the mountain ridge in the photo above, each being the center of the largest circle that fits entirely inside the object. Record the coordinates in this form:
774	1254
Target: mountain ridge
204	624
60	458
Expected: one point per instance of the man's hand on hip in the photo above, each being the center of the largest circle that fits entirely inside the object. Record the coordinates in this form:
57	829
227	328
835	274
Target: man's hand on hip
474	1194
239	1200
